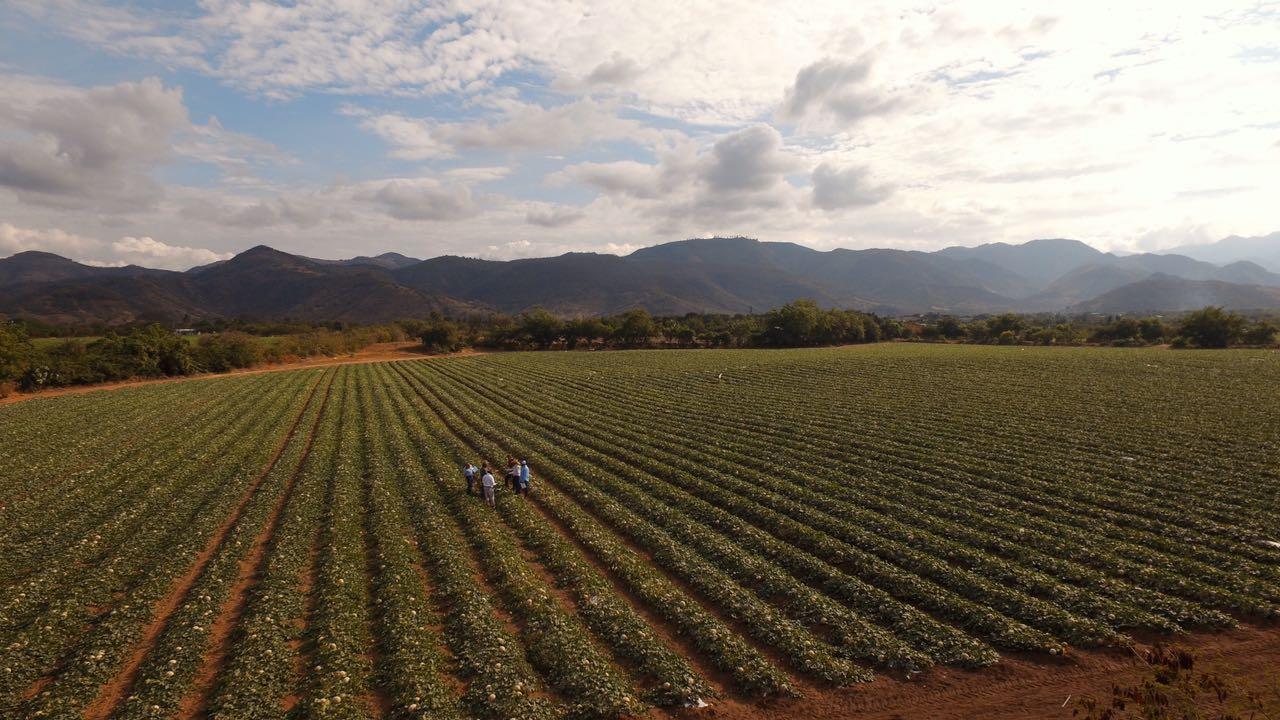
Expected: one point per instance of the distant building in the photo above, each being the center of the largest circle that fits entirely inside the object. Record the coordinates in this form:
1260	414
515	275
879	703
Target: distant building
186	331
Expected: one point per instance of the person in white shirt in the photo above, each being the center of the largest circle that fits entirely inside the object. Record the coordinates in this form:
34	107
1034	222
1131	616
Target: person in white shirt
487	483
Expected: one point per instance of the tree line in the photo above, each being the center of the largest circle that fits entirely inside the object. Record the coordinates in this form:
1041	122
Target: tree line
804	324
1209	327
151	351
222	345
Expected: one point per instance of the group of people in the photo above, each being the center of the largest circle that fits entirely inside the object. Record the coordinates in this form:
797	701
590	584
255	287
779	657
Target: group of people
515	476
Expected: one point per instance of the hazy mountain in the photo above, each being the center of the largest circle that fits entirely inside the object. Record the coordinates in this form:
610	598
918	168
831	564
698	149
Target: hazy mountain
387	261
905	281
703	275
587	283
1263	250
1039	262
1111	272
1167	293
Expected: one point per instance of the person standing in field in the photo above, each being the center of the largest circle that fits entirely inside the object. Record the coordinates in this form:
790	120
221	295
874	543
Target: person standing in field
486	483
469	472
524	476
513	474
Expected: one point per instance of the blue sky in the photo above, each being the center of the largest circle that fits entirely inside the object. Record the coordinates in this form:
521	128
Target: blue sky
172	134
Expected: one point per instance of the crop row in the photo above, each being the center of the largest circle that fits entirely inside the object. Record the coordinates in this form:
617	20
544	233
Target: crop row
1151	569
806	651
602	610
150	567
168	676
915	507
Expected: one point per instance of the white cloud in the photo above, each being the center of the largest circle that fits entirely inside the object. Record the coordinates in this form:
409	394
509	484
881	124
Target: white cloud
738	176
52	240
236	154
410	138
519	126
554	217
304	210
425	199
839	188
149	252
92	147
128	250
843	91
987	121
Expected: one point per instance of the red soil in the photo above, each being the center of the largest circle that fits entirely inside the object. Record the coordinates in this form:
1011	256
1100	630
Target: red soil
111	694
1017	688
250	569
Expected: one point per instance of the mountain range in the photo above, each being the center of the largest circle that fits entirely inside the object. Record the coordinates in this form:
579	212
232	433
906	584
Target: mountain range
702	275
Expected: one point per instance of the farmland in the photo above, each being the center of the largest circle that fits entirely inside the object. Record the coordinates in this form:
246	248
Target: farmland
705	526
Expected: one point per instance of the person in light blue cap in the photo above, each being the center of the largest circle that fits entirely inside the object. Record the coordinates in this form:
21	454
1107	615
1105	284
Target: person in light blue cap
524	477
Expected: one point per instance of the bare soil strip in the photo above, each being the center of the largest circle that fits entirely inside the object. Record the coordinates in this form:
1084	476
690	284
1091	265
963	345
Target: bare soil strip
303	651
379	700
112	693
453	677
251	568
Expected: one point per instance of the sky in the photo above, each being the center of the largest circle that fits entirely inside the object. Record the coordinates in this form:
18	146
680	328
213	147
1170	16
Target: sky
171	134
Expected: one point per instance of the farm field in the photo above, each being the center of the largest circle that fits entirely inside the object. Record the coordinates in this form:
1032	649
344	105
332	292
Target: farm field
769	533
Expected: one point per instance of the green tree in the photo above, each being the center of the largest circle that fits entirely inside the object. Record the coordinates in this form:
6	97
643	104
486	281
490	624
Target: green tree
585	329
541	327
219	352
1152	329
1212	327
792	325
1007	322
440	334
635	328
1260	333
16	351
950	327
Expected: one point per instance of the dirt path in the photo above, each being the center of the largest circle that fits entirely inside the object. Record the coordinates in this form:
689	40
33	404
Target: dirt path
1019	687
378	352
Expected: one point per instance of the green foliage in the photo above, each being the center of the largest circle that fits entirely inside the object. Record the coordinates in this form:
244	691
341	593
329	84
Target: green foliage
634	327
586	330
1260	333
440	334
225	351
541	328
1212	327
15	351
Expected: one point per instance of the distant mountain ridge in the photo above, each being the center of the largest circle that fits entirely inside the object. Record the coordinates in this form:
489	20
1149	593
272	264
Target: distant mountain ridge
702	275
1263	250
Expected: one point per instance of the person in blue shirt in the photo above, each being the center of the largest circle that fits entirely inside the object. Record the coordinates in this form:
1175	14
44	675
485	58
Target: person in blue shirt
469	472
524	476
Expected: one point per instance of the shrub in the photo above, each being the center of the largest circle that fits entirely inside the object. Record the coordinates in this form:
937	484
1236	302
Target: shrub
1212	327
1261	333
225	351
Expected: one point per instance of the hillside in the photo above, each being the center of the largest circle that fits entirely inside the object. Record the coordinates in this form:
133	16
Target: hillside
1168	293
722	275
1263	250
